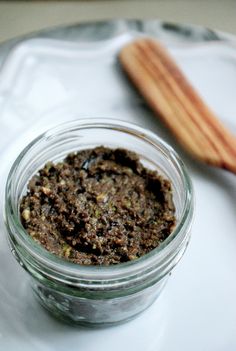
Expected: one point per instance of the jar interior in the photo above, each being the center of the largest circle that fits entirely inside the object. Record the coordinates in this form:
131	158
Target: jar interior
56	145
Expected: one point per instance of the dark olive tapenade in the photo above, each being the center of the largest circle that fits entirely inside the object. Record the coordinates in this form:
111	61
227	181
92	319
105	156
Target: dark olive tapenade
98	206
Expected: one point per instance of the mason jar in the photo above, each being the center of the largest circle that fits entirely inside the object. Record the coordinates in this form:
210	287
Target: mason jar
97	295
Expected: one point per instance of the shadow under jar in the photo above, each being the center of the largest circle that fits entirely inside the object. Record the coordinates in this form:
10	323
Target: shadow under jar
97	295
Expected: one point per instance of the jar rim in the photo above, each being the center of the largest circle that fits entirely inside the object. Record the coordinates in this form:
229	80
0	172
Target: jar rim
95	272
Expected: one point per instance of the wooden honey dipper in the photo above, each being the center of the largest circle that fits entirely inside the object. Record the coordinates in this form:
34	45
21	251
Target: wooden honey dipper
170	95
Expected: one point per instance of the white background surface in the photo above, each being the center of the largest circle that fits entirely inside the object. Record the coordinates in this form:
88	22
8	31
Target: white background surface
21	17
197	310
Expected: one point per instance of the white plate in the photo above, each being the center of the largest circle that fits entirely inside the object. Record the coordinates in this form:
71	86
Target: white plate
46	81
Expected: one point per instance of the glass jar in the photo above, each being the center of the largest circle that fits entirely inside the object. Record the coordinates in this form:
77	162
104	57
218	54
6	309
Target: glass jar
97	295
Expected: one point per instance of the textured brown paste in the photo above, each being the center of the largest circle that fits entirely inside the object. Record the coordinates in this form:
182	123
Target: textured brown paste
98	206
